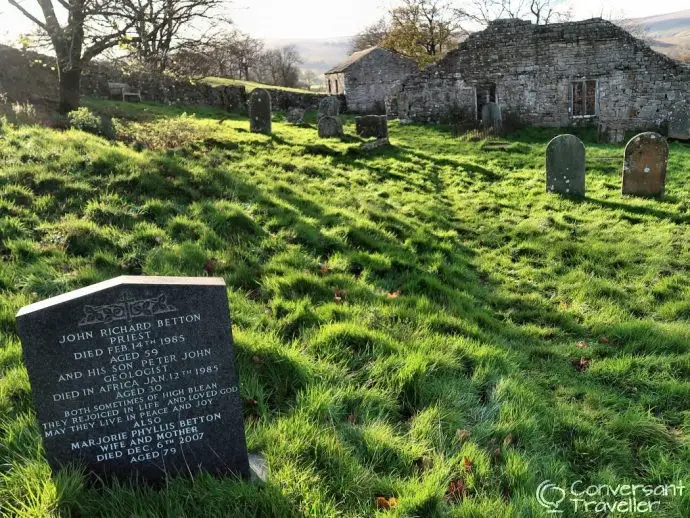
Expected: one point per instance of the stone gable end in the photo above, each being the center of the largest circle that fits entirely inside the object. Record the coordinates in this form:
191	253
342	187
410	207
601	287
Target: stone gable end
558	75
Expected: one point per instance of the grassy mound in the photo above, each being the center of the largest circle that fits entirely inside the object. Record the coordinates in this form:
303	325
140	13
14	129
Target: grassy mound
421	330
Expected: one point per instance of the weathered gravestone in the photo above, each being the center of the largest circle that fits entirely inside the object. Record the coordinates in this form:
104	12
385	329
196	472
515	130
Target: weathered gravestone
644	168
295	116
565	165
329	107
679	121
260	111
372	126
330	127
136	376
491	117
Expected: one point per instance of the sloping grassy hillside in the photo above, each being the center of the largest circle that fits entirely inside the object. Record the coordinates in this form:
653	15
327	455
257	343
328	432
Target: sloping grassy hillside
419	328
249	85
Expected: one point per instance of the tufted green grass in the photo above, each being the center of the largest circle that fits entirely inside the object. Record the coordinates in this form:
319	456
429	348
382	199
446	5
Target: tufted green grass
404	319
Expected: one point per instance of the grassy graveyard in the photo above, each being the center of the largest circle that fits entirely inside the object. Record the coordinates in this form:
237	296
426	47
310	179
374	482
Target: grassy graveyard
421	330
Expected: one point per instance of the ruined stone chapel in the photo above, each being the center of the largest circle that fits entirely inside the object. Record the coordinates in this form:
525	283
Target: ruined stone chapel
589	72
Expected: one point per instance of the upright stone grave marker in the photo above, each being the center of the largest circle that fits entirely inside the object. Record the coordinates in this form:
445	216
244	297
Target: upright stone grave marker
329	107
491	117
372	126
679	121
136	376
260	111
295	116
644	168
565	165
330	127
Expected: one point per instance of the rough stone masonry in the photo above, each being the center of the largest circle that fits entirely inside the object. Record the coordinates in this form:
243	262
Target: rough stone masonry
590	72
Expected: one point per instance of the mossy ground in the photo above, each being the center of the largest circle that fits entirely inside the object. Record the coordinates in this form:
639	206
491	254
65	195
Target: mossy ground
421	322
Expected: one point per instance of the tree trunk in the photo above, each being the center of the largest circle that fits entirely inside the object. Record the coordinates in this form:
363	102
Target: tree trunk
69	89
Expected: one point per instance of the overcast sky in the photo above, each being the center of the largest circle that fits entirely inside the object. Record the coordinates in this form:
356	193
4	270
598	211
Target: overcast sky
298	19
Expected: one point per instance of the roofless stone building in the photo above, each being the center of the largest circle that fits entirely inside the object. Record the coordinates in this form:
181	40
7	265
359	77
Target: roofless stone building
590	72
366	77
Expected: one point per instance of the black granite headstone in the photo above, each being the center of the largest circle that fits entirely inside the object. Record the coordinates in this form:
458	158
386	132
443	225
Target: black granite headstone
136	376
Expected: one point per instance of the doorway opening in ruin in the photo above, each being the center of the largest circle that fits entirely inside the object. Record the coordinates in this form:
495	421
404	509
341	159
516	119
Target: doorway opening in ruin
486	93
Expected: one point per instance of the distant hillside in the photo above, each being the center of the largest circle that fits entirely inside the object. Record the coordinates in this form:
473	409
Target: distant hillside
670	33
318	55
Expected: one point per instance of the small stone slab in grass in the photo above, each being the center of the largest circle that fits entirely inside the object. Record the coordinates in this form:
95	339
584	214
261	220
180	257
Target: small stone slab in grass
376	144
330	127
491	117
679	121
295	116
565	166
372	126
260	112
644	168
329	107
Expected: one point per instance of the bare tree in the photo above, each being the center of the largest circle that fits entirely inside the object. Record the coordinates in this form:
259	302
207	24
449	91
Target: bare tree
160	27
371	36
481	12
279	66
88	31
243	53
309	78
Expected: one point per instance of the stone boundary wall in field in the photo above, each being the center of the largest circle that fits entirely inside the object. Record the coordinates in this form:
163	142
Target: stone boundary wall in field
32	77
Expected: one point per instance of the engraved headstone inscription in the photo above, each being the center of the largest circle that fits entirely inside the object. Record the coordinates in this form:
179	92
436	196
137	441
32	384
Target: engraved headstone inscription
136	376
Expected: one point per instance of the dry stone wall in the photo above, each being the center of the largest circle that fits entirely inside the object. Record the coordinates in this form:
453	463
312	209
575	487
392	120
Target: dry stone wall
31	77
533	68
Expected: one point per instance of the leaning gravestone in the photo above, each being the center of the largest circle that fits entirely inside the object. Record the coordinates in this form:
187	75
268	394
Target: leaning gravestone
372	126
330	127
329	107
136	376
260	111
679	122
491	117
644	168
565	165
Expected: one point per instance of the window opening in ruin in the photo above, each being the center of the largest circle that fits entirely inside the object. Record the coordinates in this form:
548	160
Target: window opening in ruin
336	86
486	93
329	87
583	98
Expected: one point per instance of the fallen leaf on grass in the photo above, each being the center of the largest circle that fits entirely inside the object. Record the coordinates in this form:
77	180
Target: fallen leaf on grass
456	490
338	295
468	464
352	418
251	403
386	504
256	360
582	345
393	295
582	364
603	340
324	269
